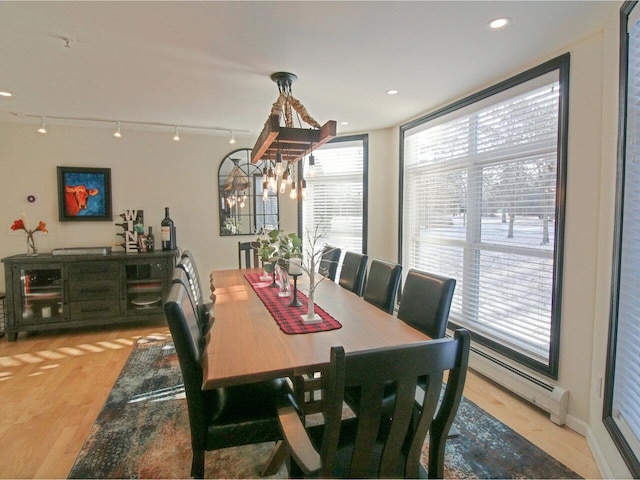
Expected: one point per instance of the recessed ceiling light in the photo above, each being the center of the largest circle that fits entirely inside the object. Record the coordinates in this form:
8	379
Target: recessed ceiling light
393	91
6	94
344	123
499	23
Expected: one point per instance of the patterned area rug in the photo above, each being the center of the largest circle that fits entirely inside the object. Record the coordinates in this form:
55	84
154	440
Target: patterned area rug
143	432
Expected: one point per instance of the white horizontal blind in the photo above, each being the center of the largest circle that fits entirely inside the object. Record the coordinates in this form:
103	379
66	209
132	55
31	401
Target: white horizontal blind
626	393
335	195
479	205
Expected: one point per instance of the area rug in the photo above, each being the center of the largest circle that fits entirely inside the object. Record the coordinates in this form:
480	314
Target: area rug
143	432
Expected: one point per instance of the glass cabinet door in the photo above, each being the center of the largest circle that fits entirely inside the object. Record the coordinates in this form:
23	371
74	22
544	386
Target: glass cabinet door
41	294
144	287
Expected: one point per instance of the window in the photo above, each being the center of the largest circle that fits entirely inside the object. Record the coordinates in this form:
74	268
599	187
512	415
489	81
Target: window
337	192
622	402
482	185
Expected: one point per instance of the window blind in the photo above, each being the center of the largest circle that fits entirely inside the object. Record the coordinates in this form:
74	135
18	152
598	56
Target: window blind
479	204
335	195
626	393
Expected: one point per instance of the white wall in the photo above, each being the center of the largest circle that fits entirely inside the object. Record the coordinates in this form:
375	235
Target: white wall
149	171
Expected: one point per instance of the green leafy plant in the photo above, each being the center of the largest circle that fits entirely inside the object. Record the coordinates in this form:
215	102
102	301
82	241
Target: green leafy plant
277	246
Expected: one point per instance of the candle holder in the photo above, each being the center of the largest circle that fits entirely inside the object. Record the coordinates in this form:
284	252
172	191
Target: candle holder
295	302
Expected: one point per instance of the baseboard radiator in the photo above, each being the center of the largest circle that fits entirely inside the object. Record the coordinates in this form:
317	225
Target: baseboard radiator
551	398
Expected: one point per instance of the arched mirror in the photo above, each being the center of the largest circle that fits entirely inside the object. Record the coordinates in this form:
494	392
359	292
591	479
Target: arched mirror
245	209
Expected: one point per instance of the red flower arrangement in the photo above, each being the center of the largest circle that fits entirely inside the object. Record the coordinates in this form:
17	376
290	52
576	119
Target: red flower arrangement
31	244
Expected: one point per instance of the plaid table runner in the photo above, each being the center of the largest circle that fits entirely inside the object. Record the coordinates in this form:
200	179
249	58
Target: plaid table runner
288	318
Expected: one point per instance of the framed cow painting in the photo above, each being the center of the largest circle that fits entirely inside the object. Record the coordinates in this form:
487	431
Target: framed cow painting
84	194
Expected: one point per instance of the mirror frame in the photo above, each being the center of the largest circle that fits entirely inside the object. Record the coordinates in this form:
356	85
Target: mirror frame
242	211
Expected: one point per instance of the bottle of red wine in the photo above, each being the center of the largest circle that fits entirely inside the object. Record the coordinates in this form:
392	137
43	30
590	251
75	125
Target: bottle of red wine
167	232
150	240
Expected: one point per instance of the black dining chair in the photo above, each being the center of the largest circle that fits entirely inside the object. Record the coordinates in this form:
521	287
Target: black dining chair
205	315
250	251
354	267
426	301
329	262
223	417
187	264
382	284
363	446
425	304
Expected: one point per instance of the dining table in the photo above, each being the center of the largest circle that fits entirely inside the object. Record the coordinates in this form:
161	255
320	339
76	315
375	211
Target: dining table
245	343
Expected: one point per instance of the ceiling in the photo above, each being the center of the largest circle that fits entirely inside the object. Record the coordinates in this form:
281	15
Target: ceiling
208	63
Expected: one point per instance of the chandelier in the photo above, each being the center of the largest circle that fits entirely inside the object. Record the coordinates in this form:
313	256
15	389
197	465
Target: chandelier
292	143
283	144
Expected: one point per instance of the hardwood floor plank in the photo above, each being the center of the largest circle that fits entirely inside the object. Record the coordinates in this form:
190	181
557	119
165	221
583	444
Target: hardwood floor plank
54	384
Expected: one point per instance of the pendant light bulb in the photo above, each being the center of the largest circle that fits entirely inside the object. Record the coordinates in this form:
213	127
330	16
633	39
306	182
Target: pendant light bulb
117	133
312	166
293	194
303	188
232	140
279	168
176	136
284	181
43	127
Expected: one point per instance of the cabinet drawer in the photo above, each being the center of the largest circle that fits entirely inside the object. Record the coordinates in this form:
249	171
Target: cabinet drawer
87	271
94	290
94	309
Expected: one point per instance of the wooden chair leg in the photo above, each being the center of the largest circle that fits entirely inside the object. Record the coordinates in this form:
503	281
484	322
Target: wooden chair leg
276	459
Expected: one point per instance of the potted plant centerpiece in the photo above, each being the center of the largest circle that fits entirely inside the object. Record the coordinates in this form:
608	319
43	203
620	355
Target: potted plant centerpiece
275	248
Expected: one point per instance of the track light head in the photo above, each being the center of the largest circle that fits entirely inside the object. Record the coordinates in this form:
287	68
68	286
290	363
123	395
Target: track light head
43	127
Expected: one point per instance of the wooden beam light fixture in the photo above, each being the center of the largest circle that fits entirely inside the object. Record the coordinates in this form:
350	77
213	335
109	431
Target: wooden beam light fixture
286	142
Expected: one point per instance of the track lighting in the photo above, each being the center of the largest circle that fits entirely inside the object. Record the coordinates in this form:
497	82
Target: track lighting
43	127
110	122
176	136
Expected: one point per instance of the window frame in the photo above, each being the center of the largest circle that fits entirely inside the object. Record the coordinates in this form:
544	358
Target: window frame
364	138
562	65
621	443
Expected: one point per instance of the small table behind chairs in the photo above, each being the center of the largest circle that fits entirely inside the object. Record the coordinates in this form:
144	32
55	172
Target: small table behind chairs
3	313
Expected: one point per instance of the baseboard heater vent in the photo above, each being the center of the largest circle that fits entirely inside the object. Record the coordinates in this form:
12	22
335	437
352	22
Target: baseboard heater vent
553	399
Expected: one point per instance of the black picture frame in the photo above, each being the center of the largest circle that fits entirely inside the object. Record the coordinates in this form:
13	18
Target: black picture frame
93	185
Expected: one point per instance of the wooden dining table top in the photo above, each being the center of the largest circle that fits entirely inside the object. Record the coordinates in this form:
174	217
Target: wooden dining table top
245	343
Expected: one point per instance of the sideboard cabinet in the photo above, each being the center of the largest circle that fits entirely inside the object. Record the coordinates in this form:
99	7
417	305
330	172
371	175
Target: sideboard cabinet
65	291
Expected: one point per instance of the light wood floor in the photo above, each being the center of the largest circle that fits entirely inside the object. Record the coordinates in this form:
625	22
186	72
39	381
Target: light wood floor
53	385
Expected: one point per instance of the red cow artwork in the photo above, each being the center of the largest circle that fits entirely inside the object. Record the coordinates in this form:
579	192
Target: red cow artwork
76	197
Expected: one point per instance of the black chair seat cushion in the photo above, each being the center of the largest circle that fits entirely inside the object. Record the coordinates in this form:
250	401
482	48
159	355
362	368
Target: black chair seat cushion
246	414
348	431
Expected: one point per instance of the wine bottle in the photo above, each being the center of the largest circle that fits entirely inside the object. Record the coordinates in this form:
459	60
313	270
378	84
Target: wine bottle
150	240
167	232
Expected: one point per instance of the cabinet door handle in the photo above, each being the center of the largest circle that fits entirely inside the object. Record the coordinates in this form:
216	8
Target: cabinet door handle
94	290
95	309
